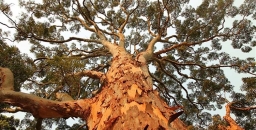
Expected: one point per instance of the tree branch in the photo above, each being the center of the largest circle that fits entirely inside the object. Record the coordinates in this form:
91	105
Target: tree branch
44	108
178	70
146	55
121	28
187	44
231	122
211	66
63	41
90	73
180	84
103	40
245	108
12	110
149	30
165	89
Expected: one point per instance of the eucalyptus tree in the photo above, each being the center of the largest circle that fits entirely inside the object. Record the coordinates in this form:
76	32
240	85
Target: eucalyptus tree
135	64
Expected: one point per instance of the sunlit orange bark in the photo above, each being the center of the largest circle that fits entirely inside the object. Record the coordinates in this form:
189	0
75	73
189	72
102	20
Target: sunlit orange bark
232	124
126	101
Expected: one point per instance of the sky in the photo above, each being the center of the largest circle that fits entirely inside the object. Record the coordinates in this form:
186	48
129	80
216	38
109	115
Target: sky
233	76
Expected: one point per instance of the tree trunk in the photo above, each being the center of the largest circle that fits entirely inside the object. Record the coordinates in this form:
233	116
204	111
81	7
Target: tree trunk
128	101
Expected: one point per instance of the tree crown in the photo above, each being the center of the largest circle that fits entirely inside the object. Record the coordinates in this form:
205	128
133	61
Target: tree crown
172	36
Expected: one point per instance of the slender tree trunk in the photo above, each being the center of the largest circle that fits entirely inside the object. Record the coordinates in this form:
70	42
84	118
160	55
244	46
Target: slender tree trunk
128	101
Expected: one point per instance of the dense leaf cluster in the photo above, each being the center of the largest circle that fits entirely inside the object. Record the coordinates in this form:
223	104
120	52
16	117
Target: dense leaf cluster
8	123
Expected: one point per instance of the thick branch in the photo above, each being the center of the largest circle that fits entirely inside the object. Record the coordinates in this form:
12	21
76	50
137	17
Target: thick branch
232	123
111	47
152	43
121	28
91	74
44	108
146	55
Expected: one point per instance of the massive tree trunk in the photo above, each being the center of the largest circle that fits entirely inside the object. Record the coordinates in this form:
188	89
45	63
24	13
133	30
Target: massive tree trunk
128	101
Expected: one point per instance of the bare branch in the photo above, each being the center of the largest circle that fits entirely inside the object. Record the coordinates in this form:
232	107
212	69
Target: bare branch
169	37
180	84
9	18
7	25
187	44
41	58
39	122
88	18
165	89
111	47
40	83
178	70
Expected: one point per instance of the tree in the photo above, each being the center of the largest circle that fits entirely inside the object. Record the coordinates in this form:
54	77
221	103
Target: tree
21	65
8	123
134	71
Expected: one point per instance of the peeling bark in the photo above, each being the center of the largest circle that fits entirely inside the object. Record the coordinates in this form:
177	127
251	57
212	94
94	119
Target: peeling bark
126	101
44	108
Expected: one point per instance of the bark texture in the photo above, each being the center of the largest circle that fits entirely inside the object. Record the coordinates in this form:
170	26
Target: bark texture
127	100
232	124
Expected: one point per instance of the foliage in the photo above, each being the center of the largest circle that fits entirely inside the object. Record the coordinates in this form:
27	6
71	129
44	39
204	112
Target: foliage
8	123
21	66
186	70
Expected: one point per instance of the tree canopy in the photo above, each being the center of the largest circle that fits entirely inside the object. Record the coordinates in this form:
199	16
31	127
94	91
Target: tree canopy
182	44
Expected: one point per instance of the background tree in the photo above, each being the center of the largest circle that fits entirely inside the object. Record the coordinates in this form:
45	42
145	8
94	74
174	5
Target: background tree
93	42
22	67
8	123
